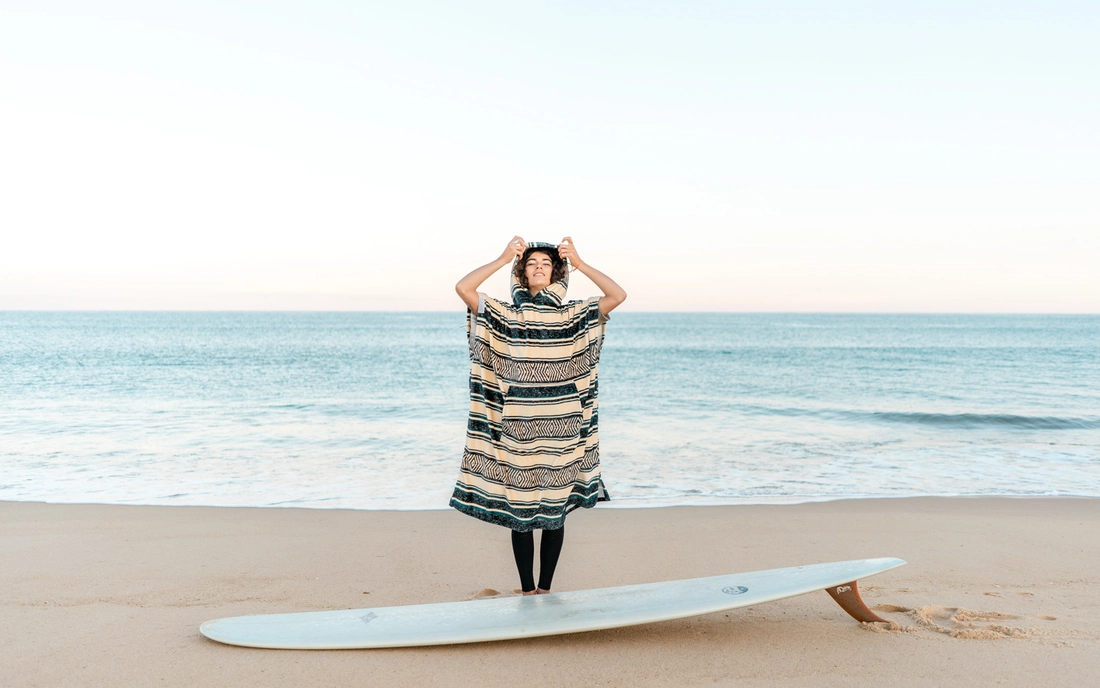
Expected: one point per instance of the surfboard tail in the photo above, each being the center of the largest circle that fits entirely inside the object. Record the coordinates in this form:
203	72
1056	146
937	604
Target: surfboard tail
847	596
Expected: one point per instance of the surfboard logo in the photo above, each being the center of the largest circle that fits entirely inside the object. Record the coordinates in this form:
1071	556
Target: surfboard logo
735	590
368	617
843	588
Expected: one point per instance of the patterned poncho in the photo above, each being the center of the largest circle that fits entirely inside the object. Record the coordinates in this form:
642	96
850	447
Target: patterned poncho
532	445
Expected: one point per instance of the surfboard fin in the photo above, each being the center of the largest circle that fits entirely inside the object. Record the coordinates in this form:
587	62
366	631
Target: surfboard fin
847	596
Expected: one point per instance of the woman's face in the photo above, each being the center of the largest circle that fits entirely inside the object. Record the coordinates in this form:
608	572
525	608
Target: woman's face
538	270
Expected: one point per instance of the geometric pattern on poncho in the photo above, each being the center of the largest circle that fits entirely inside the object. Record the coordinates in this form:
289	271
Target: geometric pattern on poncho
532	450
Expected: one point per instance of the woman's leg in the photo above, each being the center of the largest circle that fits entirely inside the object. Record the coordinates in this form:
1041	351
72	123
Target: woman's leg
549	549
523	547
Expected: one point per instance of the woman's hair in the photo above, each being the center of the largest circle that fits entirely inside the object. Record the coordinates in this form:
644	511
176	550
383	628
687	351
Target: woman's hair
560	267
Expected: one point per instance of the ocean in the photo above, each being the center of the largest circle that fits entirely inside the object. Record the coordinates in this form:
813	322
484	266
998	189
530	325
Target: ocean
368	410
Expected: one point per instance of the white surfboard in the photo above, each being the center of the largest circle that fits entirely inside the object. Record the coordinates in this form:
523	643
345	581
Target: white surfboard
537	615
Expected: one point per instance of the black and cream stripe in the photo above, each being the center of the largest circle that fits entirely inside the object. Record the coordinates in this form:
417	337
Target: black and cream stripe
532	440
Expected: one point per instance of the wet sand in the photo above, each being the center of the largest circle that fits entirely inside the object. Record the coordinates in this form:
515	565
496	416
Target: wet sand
997	591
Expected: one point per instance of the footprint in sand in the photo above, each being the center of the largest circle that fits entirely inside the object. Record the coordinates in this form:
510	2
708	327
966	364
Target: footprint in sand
888	626
890	608
956	622
485	594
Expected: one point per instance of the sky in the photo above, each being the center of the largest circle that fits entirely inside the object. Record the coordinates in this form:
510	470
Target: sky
708	156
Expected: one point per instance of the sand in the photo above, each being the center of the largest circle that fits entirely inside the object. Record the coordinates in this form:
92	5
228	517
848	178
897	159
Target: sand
997	591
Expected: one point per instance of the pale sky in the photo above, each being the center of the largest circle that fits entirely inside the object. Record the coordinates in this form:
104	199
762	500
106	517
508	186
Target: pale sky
709	156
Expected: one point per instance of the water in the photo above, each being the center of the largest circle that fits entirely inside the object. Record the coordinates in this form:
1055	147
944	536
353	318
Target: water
367	410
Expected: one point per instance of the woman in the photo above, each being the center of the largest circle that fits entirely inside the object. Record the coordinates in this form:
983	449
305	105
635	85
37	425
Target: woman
532	443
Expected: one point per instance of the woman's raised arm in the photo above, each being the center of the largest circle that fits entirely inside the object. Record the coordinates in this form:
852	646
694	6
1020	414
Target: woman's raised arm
613	294
467	286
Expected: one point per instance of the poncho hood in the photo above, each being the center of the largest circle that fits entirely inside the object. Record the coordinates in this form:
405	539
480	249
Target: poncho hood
552	295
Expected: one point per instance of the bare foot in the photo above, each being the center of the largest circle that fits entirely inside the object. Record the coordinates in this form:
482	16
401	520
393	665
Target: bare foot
540	591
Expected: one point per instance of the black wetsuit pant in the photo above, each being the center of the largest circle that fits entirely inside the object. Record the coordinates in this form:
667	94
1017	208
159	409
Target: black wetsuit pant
523	547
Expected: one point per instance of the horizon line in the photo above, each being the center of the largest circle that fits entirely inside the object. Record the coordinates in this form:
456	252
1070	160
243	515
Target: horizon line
456	311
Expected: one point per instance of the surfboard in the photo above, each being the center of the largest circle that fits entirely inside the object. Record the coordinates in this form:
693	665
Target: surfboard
506	618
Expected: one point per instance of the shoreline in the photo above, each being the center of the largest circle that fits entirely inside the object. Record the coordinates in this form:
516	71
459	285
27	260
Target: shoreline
997	588
613	504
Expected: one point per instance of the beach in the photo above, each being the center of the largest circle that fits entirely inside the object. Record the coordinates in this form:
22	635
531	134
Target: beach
997	590
283	283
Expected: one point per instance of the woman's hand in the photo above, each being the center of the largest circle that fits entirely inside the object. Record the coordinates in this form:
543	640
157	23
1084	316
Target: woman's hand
467	286
568	252
514	249
613	294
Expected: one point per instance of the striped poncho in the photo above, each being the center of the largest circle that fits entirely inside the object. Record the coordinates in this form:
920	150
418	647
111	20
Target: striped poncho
532	446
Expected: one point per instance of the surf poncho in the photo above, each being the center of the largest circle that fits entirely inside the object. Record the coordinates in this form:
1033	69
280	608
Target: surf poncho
532	443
